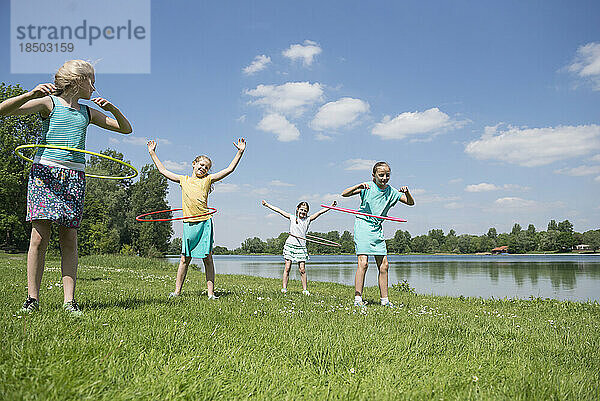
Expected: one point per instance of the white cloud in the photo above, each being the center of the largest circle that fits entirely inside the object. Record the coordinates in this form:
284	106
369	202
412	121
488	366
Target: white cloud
595	158
338	114
485	187
226	188
176	166
321	198
455	181
417	191
359	164
407	124
587	63
515	203
322	137
277	183
280	126
261	191
241	119
259	64
291	98
305	52
454	205
143	141
597	179
532	147
579	171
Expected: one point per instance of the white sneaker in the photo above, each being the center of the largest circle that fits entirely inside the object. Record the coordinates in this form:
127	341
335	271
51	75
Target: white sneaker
213	297
173	295
360	304
388	304
305	292
284	290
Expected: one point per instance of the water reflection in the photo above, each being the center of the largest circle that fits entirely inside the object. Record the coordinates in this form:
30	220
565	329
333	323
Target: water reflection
575	277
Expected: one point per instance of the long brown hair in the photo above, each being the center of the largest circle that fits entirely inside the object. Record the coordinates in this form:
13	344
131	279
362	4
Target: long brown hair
303	203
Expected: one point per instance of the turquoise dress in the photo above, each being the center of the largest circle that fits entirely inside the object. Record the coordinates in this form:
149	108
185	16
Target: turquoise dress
368	232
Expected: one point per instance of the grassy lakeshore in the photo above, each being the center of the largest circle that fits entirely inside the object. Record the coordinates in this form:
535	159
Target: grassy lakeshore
255	343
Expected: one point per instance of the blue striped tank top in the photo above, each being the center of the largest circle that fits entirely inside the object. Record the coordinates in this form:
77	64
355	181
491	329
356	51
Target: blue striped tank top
64	126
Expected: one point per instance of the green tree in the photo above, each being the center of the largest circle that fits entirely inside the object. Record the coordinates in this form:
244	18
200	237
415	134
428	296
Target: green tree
148	194
451	244
254	245
492	233
565	227
347	242
15	131
516	229
422	244
552	225
175	247
592	238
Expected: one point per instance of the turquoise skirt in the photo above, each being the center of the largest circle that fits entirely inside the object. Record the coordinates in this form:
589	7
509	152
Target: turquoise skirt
368	238
198	239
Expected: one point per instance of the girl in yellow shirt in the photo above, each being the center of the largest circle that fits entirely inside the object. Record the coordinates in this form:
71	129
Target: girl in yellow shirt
197	238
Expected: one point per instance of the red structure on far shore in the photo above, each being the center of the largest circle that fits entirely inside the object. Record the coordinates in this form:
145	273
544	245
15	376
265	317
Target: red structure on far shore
500	249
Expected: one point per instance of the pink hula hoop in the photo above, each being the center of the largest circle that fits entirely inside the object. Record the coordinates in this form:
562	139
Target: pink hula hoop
317	240
341	209
139	218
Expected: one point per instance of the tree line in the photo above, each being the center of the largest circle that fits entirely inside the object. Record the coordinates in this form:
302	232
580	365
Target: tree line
559	237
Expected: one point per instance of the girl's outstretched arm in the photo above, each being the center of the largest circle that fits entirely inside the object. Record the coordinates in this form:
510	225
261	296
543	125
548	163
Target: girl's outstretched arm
161	168
34	101
276	209
354	190
406	197
118	124
320	212
241	147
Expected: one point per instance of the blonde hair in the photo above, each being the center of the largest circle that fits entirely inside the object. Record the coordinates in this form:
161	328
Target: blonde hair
70	76
203	157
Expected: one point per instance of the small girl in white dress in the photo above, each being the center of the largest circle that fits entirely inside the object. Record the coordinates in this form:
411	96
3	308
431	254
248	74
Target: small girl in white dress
294	249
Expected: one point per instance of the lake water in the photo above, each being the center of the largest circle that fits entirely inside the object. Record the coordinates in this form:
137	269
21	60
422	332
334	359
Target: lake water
564	277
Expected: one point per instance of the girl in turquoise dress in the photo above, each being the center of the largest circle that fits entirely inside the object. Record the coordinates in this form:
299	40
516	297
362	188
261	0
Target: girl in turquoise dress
368	233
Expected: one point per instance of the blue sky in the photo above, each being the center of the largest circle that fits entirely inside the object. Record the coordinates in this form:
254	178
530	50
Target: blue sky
488	111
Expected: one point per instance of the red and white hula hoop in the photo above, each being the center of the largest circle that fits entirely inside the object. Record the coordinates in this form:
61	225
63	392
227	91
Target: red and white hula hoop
317	240
140	217
341	209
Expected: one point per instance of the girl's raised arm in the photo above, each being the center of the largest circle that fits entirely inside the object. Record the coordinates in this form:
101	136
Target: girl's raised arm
354	190
161	168
406	197
276	209
241	147
320	212
118	124
34	101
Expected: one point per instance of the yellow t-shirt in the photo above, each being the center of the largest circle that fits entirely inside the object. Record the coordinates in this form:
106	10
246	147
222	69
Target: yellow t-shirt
194	196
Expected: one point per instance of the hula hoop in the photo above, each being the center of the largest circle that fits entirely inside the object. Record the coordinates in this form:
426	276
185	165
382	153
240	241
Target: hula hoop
318	240
32	146
141	219
341	209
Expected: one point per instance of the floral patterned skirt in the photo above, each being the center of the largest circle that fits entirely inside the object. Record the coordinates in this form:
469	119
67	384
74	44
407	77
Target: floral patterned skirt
56	194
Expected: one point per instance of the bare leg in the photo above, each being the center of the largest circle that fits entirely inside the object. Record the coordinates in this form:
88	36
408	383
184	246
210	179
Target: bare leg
184	263
303	278
361	271
286	272
36	256
382	265
209	268
68	260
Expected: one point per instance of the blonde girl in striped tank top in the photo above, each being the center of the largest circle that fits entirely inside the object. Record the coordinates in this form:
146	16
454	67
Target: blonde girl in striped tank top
56	186
294	249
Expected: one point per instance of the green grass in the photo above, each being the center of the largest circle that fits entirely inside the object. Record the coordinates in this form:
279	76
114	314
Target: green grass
255	343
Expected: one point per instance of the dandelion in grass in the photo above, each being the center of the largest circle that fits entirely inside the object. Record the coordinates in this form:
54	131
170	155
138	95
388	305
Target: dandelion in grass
475	379
352	370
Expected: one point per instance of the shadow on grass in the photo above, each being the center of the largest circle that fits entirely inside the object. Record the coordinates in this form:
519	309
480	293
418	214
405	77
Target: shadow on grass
129	303
92	278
